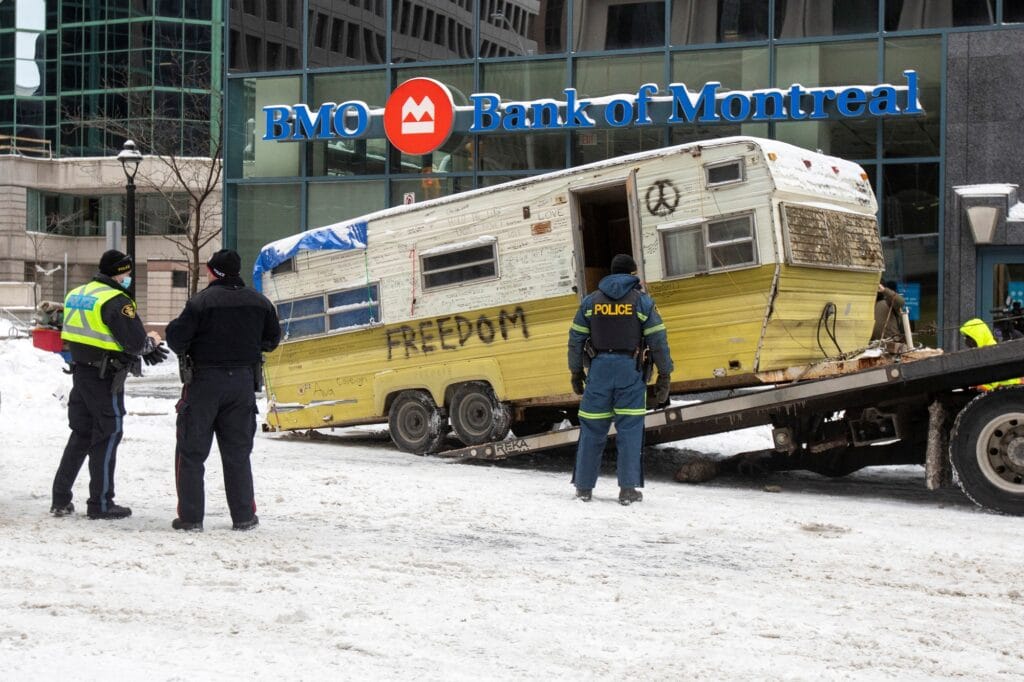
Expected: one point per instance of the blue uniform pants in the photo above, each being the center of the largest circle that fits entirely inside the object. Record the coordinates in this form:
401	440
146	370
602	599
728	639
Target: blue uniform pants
615	391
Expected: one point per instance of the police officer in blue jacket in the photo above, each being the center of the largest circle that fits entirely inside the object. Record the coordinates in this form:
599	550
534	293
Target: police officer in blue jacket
611	329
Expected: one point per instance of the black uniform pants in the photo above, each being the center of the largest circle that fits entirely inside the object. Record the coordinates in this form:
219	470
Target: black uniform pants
95	416
220	401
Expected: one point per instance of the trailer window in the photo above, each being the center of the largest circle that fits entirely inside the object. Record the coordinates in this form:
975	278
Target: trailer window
333	311
462	265
353	307
717	245
303	317
724	173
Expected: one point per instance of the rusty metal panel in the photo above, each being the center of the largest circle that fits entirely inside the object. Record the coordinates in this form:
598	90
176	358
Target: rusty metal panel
825	237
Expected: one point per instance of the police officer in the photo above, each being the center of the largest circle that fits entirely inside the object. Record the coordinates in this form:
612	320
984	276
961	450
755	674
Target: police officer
611	328
221	335
105	336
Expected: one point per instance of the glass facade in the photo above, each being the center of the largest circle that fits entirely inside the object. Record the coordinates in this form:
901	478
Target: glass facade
145	67
343	50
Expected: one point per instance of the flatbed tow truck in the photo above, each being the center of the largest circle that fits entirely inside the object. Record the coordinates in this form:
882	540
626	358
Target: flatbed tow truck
920	407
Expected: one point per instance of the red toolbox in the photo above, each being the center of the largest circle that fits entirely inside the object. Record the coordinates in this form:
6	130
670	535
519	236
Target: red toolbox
47	339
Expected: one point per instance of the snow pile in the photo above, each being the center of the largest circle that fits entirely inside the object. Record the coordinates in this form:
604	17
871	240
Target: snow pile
374	564
34	386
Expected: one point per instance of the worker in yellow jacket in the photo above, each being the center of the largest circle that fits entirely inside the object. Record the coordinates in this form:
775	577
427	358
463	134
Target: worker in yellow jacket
978	335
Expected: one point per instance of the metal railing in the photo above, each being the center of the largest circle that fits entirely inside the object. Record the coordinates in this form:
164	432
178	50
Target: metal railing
26	146
16	322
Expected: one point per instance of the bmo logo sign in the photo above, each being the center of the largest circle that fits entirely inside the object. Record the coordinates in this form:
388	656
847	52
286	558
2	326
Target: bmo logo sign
419	116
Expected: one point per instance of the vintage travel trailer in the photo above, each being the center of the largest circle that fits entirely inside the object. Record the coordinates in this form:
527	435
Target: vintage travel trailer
453	314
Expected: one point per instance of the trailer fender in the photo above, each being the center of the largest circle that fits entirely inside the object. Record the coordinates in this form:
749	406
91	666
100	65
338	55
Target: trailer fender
435	380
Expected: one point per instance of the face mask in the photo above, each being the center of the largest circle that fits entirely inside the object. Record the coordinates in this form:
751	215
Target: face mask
126	282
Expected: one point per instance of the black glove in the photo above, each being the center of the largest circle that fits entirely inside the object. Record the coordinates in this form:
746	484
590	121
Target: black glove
579	378
156	356
661	389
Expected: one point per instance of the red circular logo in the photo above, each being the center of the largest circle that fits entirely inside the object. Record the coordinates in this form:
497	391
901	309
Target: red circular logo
419	115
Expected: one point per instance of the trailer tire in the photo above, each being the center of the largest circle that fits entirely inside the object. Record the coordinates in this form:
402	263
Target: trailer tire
415	423
477	415
986	450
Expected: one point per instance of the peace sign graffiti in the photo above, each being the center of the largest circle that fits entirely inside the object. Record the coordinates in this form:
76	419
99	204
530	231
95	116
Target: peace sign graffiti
666	200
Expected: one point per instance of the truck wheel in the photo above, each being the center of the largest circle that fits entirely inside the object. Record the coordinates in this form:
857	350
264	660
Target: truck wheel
986	449
415	423
476	414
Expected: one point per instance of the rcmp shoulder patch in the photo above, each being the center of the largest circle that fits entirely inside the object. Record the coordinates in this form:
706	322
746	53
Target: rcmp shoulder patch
128	311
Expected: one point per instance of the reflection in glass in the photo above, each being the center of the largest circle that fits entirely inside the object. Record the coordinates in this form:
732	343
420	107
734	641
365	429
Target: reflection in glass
265	213
908	15
348	156
428	187
734	68
430	30
911	199
1013	11
265	158
916	136
617	24
802	18
334	202
913	259
826	64
520	32
262	44
694	22
343	33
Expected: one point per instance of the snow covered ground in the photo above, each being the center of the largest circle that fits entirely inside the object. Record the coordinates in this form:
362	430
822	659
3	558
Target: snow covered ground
374	564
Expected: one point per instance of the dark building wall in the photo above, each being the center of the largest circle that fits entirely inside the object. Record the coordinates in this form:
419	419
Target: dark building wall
984	144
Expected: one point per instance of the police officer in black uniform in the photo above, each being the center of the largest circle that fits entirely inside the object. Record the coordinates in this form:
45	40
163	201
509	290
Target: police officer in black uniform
220	337
105	336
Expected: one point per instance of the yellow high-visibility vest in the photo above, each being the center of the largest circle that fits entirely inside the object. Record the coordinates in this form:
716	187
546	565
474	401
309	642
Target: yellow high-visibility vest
83	321
977	330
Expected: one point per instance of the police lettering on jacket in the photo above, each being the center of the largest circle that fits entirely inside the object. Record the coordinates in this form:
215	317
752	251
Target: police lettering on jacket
614	324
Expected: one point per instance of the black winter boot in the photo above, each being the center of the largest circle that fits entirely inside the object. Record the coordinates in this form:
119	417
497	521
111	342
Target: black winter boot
628	496
114	511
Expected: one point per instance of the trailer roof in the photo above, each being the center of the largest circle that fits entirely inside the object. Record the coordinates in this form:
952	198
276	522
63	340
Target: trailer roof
791	172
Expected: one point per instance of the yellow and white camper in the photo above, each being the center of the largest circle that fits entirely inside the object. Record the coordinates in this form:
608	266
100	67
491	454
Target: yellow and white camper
760	255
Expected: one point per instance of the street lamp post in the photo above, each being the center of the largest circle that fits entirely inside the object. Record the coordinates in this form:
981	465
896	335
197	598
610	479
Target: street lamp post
130	159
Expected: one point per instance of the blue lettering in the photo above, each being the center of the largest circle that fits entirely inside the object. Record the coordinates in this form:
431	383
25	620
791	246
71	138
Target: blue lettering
544	114
81	302
312	127
818	97
515	118
795	112
883	101
362	114
486	115
277	124
618	113
684	107
913	106
728	110
761	99
643	98
575	116
850	102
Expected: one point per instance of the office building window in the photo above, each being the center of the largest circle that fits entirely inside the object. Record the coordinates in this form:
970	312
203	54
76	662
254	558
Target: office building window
909	15
694	22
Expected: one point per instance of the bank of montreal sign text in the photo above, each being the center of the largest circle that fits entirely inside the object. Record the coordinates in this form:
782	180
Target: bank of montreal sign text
420	114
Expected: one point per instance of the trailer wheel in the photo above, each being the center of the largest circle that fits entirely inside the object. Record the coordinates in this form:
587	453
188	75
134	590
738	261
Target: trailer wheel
477	415
415	423
986	449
